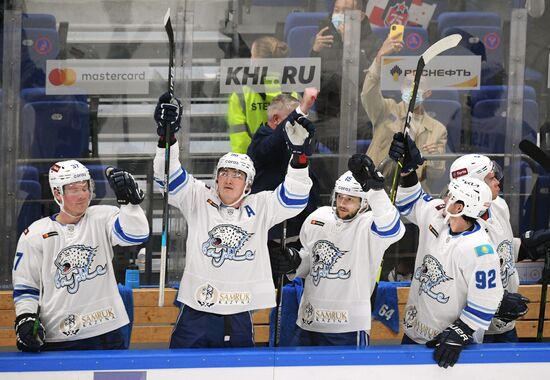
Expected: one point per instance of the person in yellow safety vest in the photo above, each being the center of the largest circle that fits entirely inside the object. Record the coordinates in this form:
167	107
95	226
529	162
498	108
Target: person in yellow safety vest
247	111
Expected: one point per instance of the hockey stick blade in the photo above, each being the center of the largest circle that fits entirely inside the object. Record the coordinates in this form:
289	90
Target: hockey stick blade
440	46
537	154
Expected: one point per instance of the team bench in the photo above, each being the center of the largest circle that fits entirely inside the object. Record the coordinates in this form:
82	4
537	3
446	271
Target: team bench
153	324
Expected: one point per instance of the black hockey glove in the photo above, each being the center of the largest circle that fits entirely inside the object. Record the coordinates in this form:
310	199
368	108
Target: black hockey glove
284	260
512	306
298	131
534	244
30	333
406	148
125	187
168	114
450	342
364	172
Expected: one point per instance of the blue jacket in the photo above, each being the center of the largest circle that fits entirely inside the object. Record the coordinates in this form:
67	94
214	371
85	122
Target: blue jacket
268	151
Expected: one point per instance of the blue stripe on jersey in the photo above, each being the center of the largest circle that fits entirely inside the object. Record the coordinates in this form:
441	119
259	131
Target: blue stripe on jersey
404	206
129	238
481	322
290	200
21	292
479	313
481	308
177	180
393	231
476	228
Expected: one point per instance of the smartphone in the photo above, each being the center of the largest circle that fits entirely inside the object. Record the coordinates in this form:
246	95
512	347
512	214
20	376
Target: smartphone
396	32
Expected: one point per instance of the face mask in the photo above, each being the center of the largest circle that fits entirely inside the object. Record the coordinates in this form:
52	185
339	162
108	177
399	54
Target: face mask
406	97
337	19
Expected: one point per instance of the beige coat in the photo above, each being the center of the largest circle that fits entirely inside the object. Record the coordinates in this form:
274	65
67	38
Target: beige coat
388	117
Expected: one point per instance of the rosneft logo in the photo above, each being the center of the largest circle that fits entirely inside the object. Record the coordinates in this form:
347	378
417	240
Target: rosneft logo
62	77
396	72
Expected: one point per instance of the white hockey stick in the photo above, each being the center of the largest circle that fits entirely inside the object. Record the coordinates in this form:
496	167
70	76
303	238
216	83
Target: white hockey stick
165	209
439	47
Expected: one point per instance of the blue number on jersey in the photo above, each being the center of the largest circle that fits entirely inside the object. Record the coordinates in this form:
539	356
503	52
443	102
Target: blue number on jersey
484	280
19	256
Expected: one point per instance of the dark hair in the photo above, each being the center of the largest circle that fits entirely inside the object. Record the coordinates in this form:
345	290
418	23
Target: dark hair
269	47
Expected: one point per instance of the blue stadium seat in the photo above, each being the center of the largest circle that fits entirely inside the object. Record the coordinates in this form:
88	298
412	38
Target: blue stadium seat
27	173
295	19
489	36
37	46
488	134
28	190
38	94
56	129
102	187
497	92
300	40
445	95
415	39
450	19
38	20
449	113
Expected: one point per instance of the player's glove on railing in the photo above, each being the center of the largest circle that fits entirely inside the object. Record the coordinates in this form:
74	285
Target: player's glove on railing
406	148
298	131
450	342
512	306
168	115
284	260
29	338
363	170
125	186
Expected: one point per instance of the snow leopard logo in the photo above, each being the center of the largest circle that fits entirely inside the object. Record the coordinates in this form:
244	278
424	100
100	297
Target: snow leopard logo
73	266
410	316
224	243
307	314
325	255
430	274
507	268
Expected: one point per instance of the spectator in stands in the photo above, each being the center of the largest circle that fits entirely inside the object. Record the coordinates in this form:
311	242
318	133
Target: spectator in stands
388	117
342	253
269	152
329	46
247	111
64	286
227	273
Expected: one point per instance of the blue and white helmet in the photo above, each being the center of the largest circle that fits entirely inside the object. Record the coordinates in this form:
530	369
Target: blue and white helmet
240	162
347	185
66	172
474	193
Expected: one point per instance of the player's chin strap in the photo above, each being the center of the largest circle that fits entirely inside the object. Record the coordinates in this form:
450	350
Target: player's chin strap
62	208
246	191
448	214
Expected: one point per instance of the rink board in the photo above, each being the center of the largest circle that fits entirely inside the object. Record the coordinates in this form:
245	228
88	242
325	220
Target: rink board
492	361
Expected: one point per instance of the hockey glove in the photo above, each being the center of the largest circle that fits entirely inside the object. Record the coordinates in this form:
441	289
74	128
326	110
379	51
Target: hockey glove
450	342
284	260
125	187
512	306
534	244
406	148
168	114
364	172
298	133
29	338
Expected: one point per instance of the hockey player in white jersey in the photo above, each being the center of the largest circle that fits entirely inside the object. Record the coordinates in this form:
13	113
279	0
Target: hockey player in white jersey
342	251
496	221
228	273
64	286
456	287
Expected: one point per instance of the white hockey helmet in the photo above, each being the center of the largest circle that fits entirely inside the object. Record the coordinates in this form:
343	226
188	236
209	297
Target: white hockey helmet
474	193
240	162
347	185
66	172
474	166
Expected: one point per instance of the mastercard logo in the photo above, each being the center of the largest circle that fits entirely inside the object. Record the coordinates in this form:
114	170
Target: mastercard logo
62	77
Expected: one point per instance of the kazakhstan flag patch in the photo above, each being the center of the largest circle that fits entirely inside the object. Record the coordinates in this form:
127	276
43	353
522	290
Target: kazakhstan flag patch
484	249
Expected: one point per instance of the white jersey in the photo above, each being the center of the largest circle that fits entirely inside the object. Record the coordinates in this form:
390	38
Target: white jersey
455	276
227	268
73	265
497	225
340	262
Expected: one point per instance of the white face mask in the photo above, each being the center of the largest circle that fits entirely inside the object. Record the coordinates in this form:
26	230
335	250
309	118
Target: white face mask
337	19
406	97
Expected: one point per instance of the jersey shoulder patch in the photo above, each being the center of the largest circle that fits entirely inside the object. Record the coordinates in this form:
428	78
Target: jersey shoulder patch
484	249
317	223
